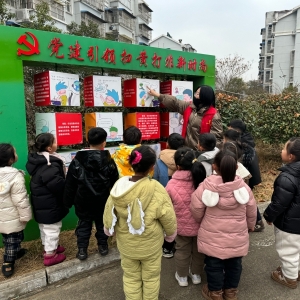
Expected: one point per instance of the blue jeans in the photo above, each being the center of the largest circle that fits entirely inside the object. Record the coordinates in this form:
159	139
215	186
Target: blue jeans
223	273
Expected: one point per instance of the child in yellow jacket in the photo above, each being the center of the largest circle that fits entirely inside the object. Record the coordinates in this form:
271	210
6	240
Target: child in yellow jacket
140	212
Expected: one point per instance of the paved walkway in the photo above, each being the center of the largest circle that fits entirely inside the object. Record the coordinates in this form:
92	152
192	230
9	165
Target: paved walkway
256	283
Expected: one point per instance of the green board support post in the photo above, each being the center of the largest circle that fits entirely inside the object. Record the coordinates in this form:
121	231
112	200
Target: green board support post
20	47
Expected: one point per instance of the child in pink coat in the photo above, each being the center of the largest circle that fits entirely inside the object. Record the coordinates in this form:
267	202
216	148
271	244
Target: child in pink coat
184	181
225	207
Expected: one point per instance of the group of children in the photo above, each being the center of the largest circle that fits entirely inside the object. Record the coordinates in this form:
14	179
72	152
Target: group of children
200	203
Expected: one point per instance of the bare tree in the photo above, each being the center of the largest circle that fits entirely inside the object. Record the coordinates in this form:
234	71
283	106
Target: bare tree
227	68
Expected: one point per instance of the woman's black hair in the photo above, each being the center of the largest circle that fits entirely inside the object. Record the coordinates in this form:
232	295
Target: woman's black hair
226	163
186	159
293	147
207	96
147	159
7	153
43	141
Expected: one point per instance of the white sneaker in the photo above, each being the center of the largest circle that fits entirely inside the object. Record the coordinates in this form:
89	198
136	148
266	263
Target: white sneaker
196	279
182	281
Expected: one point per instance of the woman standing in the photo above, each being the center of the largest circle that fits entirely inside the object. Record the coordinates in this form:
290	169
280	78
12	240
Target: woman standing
200	116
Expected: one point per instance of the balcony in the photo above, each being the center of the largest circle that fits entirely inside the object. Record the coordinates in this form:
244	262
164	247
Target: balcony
145	12
88	17
127	22
98	4
145	31
57	11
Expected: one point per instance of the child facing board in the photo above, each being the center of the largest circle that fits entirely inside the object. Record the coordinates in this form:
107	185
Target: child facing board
132	138
91	175
207	151
284	213
15	210
139	211
180	188
225	207
47	184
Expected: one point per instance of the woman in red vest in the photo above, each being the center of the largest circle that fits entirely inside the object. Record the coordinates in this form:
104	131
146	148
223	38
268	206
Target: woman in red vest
200	116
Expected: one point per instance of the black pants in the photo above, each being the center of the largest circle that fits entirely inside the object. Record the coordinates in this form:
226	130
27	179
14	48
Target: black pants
83	232
223	273
258	218
12	244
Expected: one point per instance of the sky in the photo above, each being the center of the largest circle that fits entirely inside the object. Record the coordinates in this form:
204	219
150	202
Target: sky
217	27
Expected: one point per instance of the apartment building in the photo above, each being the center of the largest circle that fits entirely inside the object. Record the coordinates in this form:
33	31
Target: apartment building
280	50
121	20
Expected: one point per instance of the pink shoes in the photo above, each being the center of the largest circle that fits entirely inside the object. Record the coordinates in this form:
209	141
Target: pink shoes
53	259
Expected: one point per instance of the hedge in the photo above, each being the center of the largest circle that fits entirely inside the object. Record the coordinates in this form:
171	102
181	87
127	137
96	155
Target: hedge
271	118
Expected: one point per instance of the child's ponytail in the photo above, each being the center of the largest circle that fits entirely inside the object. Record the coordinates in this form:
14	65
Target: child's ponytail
226	162
186	159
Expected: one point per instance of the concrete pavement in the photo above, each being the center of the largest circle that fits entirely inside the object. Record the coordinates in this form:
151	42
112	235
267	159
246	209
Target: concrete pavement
106	283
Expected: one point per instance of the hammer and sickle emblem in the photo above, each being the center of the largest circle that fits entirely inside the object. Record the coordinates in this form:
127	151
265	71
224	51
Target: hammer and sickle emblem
33	48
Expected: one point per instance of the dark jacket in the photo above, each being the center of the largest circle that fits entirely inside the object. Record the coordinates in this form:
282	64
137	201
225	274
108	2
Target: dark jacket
284	209
47	188
250	159
91	175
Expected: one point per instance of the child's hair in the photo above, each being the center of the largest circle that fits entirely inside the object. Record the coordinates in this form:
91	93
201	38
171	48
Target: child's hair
208	141
234	147
7	152
186	159
43	141
96	136
226	162
175	141
132	136
232	135
142	159
238	125
293	147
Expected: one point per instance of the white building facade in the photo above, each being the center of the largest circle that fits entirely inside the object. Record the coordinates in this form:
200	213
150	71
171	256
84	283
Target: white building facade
167	42
279	65
120	20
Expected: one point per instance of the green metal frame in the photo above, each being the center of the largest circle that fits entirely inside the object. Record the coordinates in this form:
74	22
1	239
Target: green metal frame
16	43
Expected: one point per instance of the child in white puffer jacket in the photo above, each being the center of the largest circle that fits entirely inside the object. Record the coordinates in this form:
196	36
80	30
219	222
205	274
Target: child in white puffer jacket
15	210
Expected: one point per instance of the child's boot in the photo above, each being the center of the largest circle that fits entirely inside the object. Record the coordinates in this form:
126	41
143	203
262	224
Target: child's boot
21	253
230	294
103	249
211	295
8	268
53	259
280	278
82	254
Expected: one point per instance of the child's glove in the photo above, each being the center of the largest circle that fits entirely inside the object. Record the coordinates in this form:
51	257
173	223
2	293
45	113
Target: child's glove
171	238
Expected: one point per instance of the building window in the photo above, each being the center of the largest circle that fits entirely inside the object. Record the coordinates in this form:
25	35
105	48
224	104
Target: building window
57	11
125	20
292	58
88	18
68	6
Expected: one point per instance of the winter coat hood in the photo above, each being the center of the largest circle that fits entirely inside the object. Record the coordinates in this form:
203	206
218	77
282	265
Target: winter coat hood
167	157
139	212
121	159
225	195
292	168
36	161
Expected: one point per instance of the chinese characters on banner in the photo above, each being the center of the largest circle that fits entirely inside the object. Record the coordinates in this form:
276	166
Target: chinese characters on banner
58	49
